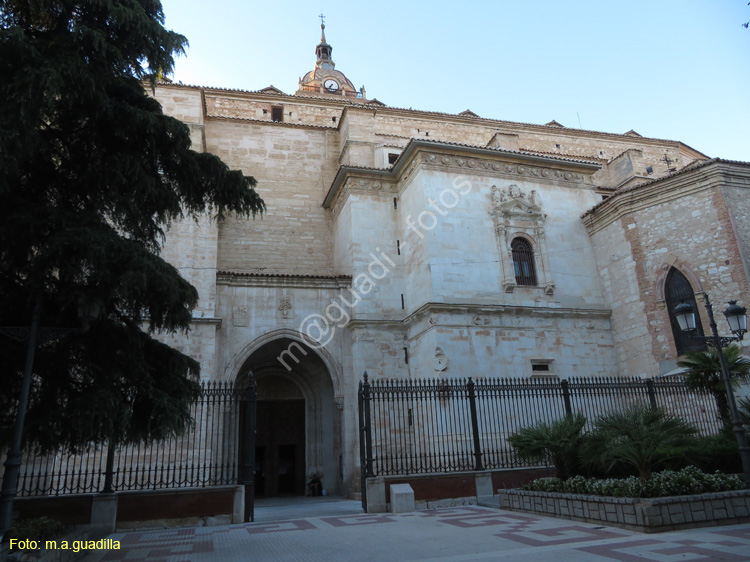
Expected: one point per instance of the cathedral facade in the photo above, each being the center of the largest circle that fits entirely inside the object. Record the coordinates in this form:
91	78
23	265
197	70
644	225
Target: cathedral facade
415	244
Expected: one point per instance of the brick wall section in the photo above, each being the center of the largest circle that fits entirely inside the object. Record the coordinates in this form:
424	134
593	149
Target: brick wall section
648	515
737	201
683	222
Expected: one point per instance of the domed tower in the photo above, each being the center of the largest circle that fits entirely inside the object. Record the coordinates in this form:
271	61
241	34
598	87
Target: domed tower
324	79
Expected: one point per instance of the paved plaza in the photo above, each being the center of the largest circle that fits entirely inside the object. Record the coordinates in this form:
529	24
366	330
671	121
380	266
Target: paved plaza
327	531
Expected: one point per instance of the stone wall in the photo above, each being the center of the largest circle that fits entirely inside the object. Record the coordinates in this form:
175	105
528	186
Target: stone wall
639	234
293	173
647	515
446	306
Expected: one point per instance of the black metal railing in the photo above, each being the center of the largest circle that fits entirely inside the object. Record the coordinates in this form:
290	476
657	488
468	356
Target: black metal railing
429	426
208	454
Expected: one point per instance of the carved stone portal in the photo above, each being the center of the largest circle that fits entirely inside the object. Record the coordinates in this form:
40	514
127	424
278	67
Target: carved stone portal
519	214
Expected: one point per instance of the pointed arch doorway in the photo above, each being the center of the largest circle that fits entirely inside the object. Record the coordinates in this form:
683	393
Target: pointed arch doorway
298	422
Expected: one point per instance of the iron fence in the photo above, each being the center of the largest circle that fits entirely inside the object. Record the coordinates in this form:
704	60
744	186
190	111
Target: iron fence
429	426
208	454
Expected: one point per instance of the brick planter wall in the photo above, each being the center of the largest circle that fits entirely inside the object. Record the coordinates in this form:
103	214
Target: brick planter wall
648	515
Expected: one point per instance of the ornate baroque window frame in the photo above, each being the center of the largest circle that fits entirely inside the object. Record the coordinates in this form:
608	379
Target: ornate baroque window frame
517	214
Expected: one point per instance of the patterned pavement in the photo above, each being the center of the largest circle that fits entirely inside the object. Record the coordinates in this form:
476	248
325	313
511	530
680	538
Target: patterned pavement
450	534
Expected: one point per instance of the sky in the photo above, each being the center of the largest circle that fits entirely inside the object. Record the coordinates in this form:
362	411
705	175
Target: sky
667	69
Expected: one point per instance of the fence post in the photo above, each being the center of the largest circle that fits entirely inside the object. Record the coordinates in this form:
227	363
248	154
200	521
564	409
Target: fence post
109	470
366	397
475	425
566	397
651	393
362	457
248	469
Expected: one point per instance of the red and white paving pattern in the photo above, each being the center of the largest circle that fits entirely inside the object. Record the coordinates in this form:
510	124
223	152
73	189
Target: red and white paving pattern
450	534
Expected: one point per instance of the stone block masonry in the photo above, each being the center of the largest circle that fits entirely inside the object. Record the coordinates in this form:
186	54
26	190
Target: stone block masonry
647	515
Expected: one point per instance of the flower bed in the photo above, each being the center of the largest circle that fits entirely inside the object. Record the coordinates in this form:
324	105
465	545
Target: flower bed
669	500
647	515
688	481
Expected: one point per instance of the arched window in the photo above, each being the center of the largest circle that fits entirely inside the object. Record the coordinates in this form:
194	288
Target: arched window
677	289
523	261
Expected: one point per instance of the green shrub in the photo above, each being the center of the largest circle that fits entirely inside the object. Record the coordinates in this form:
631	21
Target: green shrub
556	443
689	480
715	452
639	436
36	529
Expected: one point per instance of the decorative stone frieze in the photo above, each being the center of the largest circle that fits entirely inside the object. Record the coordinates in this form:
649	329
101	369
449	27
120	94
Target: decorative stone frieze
367	186
480	320
506	168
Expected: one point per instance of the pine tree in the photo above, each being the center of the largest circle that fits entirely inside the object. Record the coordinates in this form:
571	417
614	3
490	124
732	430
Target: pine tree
91	176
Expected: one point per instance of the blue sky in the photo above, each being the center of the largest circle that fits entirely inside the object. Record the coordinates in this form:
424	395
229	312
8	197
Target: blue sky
667	69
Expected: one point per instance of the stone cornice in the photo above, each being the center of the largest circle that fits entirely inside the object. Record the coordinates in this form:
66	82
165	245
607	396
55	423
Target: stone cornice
366	185
709	175
509	310
465	159
513	127
269	123
357	104
484	316
206	320
232	279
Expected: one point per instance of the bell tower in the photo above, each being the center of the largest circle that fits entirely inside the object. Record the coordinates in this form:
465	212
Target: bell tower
323	50
324	79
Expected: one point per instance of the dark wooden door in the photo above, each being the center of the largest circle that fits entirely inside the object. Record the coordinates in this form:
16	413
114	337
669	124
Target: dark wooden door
280	448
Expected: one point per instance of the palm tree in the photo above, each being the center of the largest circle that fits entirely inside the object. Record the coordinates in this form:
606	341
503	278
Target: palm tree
556	443
704	373
639	436
743	407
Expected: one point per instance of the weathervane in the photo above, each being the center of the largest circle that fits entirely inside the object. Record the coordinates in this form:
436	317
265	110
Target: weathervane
322	19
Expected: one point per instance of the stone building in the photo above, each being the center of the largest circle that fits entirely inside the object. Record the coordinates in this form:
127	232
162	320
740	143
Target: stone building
414	244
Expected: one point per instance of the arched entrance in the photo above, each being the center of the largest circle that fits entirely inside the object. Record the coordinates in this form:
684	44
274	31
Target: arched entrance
298	423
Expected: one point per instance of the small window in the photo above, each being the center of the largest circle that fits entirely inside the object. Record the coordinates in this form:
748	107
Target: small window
523	261
542	368
392	157
277	114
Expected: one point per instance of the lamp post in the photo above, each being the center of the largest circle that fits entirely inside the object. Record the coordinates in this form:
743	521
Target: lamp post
88	310
737	318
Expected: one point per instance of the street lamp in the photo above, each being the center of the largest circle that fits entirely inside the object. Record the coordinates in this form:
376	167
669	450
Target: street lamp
737	318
